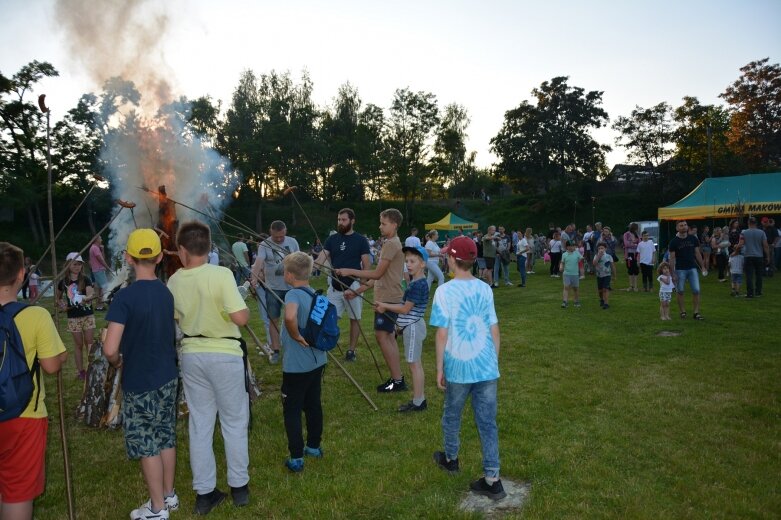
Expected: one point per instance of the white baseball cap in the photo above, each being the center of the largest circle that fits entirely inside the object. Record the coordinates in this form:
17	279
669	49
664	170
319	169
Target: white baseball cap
74	256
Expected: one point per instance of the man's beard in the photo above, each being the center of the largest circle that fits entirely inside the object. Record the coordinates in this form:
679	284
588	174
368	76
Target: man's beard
344	229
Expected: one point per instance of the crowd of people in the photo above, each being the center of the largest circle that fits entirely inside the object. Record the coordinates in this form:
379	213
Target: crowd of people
209	308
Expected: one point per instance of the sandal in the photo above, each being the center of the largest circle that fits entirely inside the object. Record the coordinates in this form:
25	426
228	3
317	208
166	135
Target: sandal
683	315
697	316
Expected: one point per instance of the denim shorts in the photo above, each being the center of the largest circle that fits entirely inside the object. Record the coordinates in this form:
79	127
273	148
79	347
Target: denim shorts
571	280
273	305
737	277
687	274
150	420
603	282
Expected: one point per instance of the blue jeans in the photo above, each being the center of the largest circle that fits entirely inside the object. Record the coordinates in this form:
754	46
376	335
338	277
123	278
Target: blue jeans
687	274
484	410
522	268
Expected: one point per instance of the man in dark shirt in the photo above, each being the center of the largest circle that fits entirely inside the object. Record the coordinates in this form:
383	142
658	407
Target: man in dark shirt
685	258
350	250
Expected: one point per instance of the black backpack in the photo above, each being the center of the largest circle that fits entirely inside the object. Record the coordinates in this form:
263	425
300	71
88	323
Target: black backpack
322	323
16	378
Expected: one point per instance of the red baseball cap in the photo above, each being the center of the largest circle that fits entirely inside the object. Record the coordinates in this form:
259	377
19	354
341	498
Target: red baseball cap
462	248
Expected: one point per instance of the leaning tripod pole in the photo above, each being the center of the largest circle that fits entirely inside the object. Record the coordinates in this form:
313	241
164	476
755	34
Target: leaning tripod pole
60	387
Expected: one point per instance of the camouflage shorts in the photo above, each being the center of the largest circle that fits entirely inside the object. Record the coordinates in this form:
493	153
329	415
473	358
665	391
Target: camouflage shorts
81	324
150	421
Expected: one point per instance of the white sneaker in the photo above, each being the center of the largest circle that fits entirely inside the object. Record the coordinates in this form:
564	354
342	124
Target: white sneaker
508	284
171	504
145	513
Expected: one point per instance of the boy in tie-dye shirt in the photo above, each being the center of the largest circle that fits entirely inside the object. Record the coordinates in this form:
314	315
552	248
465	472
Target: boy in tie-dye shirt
467	344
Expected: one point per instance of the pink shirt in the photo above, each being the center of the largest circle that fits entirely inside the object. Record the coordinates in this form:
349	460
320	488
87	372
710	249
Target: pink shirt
94	255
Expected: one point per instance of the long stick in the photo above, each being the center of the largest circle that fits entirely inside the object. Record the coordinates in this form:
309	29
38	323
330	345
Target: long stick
60	387
62	272
264	348
350	377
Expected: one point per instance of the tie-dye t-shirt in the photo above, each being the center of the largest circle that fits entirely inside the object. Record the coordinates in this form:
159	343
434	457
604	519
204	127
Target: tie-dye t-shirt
466	309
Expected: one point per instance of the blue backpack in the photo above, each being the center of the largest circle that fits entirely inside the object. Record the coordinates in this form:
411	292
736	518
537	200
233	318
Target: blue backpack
16	378
322	324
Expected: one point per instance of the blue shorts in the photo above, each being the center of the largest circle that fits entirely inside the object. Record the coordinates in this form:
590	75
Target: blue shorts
273	305
737	278
99	277
603	282
687	274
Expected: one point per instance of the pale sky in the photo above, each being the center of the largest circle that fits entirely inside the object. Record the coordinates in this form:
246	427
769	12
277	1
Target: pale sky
486	56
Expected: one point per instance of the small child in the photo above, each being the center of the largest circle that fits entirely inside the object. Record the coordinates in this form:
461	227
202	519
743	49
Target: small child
467	343
412	323
387	289
605	269
23	438
646	254
35	277
570	266
210	311
735	270
302	366
74	292
666	286
141	337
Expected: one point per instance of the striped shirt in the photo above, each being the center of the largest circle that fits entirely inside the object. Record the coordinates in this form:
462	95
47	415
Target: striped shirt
417	293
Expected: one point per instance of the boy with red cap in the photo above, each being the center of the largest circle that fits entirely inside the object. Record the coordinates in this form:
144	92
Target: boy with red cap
467	344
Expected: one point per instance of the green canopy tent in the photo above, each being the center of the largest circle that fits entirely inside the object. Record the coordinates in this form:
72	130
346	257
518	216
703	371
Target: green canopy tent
452	222
728	197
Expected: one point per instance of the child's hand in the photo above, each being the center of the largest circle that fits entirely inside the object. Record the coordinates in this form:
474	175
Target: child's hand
301	341
380	308
440	380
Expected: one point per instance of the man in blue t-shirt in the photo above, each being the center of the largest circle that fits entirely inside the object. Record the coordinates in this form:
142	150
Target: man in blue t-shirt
685	258
141	338
346	249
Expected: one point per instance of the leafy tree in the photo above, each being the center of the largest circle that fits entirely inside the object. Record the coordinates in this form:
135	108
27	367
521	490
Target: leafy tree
338	135
413	117
647	134
701	144
755	106
450	157
549	143
370	153
23	168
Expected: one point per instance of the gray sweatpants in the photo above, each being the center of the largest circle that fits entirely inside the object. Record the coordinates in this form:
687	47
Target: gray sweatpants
214	383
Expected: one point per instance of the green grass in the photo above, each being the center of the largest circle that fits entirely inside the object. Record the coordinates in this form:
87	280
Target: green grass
603	418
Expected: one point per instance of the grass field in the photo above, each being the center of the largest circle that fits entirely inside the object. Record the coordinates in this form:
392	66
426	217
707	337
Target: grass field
601	416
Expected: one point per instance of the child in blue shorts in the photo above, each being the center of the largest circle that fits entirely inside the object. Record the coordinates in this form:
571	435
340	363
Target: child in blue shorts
141	339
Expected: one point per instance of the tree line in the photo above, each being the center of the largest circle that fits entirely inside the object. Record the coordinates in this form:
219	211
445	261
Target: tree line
275	135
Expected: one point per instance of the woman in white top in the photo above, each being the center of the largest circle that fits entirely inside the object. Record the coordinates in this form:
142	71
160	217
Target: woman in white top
433	259
522	254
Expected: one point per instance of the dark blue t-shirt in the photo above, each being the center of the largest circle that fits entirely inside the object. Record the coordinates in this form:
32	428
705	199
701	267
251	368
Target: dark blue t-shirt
684	249
345	252
146	309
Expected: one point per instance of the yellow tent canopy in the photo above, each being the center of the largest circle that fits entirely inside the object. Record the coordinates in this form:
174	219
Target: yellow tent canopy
452	222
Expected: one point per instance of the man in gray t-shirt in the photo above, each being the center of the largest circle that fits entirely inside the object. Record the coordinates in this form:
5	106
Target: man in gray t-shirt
756	254
268	269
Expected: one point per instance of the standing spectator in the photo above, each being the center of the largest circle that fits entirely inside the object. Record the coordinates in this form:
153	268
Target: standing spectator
631	239
734	234
570	265
666	287
588	251
610	242
646	257
771	232
756	254
532	253
555	250
74	292
605	269
721	247
522	253
736	261
241	254
34	281
434	256
268	268
412	240
489	253
480	266
210	311
214	255
705	247
346	249
99	266
685	258
502	263
317	248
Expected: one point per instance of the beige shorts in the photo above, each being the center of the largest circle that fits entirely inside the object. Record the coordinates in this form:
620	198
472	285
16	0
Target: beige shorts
352	307
81	324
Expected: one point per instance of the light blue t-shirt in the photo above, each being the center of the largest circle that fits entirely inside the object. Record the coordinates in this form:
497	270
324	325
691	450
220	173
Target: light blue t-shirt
466	309
571	262
295	358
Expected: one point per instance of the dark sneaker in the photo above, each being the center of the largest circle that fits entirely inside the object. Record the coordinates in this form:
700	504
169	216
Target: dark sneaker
392	385
350	356
206	502
317	453
493	491
451	466
240	495
274	357
295	465
412	407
